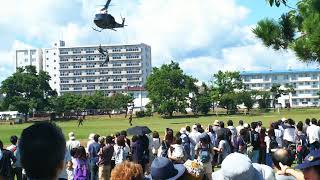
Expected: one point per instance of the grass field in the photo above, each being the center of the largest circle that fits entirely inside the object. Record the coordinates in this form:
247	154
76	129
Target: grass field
103	125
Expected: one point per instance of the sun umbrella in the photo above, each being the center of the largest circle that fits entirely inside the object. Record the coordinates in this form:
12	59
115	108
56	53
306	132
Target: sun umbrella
139	130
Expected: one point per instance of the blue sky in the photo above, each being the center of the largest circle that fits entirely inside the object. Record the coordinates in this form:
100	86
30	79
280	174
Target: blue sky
203	36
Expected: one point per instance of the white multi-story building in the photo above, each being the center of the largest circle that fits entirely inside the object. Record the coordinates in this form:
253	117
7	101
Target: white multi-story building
79	69
27	57
305	83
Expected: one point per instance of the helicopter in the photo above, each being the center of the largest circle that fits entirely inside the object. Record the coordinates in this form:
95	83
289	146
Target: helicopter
104	53
104	20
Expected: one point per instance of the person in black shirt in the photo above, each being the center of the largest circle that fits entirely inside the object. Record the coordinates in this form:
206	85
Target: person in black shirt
6	170
255	142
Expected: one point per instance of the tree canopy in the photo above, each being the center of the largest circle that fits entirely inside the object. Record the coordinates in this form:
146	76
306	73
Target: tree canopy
27	90
168	89
297	29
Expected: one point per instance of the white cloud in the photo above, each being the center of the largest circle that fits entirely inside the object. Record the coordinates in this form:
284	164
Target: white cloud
203	36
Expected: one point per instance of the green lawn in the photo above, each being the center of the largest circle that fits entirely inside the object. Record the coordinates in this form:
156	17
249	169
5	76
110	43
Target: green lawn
103	125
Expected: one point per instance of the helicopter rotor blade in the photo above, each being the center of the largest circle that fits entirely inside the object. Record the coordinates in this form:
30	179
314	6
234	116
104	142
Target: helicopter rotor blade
107	4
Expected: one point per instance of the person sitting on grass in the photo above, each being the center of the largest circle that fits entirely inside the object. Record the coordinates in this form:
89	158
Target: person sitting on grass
42	150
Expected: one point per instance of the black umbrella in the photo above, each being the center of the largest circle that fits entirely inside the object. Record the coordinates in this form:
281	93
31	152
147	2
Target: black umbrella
139	130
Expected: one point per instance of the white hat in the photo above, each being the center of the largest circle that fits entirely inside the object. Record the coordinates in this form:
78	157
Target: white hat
237	166
246	125
183	130
216	123
71	136
91	136
266	171
194	127
283	119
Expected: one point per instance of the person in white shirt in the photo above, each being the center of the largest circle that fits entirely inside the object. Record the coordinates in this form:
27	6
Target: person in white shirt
67	159
156	143
289	133
234	133
194	140
240	127
313	133
176	152
278	133
72	143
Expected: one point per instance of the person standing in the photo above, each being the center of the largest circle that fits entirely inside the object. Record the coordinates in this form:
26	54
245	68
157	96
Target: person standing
302	142
255	142
271	146
72	142
313	133
234	133
93	157
289	133
240	127
81	165
67	159
121	150
306	125
185	142
5	163
17	167
263	146
105	155
204	152
194	140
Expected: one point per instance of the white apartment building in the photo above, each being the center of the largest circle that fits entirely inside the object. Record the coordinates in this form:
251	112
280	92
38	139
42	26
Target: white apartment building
305	82
27	57
79	69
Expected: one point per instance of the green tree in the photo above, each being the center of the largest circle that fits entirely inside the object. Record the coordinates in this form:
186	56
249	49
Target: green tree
264	99
201	102
225	88
26	90
248	98
297	29
168	89
277	91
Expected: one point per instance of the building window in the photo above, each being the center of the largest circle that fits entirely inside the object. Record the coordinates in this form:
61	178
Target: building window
116	72
116	65
133	71
117	87
54	61
54	75
76	51
54	68
91	80
63	52
54	53
26	53
90	58
91	87
47	66
116	50
274	78
90	65
89	51
77	73
116	57
117	79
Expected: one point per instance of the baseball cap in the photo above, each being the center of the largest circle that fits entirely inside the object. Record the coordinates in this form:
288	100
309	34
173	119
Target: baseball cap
313	159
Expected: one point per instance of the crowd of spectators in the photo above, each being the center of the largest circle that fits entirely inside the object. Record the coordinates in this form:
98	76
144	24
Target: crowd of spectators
247	151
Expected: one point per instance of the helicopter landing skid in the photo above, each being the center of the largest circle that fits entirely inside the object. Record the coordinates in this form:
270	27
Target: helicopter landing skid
97	29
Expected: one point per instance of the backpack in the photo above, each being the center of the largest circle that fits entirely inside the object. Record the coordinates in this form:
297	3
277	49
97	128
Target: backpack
164	148
81	172
302	142
121	155
273	143
204	154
